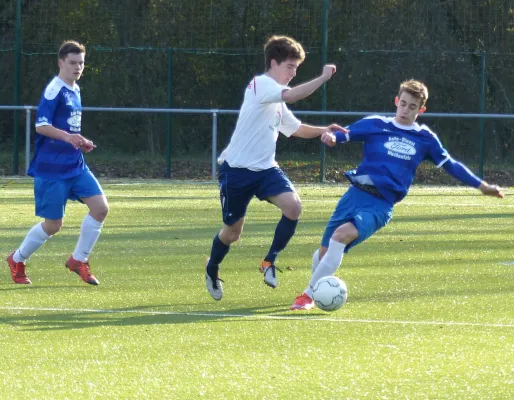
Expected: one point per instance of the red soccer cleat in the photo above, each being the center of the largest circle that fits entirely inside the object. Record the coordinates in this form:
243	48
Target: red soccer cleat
302	302
17	271
82	270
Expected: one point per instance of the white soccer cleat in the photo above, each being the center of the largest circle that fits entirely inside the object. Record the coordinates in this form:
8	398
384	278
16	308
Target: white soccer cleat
270	273
215	288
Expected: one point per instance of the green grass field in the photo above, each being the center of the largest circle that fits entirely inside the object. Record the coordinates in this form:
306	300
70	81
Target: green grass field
430	313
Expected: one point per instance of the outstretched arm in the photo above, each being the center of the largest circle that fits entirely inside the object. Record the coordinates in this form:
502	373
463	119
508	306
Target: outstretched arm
305	89
463	174
308	131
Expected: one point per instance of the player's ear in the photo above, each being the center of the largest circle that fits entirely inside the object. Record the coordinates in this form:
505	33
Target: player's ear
396	101
422	110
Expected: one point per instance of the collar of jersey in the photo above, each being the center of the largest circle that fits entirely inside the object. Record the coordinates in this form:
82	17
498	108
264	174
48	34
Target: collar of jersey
412	127
72	88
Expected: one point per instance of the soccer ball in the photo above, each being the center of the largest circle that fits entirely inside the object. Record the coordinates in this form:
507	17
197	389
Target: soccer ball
330	293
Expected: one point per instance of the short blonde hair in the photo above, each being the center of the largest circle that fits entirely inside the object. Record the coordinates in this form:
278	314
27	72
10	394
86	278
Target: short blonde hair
415	88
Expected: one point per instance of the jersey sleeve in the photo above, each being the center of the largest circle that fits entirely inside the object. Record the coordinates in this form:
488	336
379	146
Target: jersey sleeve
436	152
358	131
268	90
289	124
46	109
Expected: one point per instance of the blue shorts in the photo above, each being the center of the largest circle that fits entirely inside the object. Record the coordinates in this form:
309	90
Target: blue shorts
51	195
239	185
366	212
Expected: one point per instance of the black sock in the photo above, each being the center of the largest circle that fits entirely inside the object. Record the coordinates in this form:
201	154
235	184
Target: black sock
283	233
218	253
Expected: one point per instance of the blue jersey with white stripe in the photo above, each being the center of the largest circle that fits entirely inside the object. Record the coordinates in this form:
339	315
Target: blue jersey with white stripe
391	154
61	107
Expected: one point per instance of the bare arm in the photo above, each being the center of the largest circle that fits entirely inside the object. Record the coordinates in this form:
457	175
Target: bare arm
76	140
308	131
305	89
52	132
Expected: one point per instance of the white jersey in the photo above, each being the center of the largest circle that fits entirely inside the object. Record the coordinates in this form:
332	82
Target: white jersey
262	116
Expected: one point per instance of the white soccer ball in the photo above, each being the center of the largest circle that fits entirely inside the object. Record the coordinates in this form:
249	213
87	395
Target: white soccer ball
330	293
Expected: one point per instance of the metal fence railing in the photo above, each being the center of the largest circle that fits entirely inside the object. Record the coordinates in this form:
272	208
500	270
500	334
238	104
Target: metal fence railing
214	113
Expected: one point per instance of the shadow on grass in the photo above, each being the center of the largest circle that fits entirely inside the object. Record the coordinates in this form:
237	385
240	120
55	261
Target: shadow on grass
55	320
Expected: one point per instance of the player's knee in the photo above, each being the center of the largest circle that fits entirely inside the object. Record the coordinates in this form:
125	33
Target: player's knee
293	210
51	227
229	235
233	236
346	234
101	213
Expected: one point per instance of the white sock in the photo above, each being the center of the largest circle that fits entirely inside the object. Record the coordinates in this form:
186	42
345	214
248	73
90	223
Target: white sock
328	265
89	233
35	238
315	260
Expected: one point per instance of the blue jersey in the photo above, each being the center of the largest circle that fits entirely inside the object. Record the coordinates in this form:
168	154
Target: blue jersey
391	154
60	106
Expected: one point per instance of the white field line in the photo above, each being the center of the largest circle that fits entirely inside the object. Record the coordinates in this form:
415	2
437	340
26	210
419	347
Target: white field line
253	316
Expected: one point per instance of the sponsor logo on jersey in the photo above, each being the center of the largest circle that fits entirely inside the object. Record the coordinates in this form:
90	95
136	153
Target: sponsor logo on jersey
400	147
74	121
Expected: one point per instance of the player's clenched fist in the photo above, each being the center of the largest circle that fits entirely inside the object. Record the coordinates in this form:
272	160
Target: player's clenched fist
328	71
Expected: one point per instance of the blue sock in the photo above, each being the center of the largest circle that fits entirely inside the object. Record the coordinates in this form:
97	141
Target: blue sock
283	233
218	253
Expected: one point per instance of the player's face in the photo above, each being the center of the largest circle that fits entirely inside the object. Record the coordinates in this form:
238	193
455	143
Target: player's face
407	109
285	71
71	67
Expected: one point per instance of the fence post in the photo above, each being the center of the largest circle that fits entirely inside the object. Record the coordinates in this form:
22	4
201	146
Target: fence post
170	105
482	111
17	63
324	45
27	139
214	143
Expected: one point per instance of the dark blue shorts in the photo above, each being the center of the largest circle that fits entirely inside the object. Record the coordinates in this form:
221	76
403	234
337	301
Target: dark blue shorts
239	185
366	212
52	195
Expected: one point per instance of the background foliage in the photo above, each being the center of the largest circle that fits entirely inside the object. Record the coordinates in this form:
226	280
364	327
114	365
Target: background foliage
205	52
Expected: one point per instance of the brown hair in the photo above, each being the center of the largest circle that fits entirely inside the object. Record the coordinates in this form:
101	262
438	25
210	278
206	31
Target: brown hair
416	89
70	46
280	49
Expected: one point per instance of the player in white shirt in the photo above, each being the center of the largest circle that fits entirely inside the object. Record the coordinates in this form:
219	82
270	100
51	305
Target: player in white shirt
248	167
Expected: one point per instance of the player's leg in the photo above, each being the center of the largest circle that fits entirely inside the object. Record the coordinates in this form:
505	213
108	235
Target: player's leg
357	216
342	237
331	257
91	226
291	207
50	203
220	247
236	192
87	189
278	190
